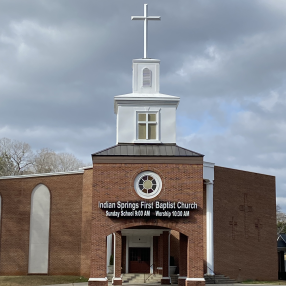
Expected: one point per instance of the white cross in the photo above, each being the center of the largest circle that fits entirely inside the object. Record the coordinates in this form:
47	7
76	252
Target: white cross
145	18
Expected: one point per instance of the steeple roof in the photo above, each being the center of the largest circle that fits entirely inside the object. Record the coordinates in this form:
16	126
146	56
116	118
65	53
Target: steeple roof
148	150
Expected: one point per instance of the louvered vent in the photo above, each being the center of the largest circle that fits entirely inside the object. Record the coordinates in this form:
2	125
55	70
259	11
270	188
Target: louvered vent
147	78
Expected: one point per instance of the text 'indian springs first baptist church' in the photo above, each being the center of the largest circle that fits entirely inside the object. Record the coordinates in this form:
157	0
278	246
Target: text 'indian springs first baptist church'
146	203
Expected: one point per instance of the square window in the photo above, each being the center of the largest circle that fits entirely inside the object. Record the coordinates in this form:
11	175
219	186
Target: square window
147	126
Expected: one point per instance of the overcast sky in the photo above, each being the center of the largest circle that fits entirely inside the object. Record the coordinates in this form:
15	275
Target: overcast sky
63	61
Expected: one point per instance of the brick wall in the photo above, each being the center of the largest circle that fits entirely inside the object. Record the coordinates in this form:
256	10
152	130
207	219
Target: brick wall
174	247
86	222
244	225
65	223
115	182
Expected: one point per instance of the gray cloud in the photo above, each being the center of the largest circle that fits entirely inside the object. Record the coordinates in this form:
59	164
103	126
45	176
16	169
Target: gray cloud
63	61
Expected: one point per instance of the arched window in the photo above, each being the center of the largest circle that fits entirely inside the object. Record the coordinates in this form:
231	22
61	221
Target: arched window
147	77
39	230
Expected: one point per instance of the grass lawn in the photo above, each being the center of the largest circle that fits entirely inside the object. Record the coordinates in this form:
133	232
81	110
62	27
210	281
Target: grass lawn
36	280
278	282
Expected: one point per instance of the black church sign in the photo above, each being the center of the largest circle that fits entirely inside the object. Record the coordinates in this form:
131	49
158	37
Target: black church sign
142	209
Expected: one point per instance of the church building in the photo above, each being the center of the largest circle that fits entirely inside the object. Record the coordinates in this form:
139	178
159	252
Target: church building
146	205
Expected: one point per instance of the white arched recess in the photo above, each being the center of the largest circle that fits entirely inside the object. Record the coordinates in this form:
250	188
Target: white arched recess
39	230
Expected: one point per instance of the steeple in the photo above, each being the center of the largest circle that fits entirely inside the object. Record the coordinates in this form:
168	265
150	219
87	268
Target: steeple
146	115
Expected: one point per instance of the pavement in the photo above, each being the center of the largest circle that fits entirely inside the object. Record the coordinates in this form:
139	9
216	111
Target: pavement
157	284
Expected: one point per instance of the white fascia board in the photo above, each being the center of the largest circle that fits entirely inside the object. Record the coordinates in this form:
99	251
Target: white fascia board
145	99
146	61
208	171
280	236
42	175
144	95
86	168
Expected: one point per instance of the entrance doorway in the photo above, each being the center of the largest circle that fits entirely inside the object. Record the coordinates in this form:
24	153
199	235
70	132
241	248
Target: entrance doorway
139	259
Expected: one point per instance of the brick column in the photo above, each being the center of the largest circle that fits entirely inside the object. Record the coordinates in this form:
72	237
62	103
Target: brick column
195	265
183	259
117	258
160	254
155	254
166	258
98	259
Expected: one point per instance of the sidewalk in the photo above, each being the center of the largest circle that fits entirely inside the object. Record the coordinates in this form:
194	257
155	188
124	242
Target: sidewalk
157	284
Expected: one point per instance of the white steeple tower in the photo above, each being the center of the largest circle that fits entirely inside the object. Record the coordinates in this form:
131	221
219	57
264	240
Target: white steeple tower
146	115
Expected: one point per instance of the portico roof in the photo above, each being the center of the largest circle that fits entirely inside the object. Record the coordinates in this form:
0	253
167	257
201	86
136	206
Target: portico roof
147	150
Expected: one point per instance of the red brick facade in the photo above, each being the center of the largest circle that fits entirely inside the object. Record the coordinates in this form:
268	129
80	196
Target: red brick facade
244	222
115	182
245	225
65	224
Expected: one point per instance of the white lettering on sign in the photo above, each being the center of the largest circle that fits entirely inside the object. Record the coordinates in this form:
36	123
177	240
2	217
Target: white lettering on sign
147	209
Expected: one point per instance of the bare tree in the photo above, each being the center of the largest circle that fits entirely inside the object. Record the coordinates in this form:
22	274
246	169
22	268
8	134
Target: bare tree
7	166
67	162
280	220
18	158
20	153
47	161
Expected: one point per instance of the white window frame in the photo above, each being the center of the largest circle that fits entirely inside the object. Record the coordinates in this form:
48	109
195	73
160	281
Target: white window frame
147	111
156	191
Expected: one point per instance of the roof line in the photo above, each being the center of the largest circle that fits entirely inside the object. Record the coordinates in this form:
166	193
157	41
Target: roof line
41	175
190	150
281	237
105	149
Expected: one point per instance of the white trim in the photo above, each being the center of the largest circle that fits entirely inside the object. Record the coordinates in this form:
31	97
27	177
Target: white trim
97	279
147	141
127	252
143	99
41	175
86	168
108	250
195	279
182	277
169	253
147	111
151	255
209	164
280	236
114	252
210	237
208	176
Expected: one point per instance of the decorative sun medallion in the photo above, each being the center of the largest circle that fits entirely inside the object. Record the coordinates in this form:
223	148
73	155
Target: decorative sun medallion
147	185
